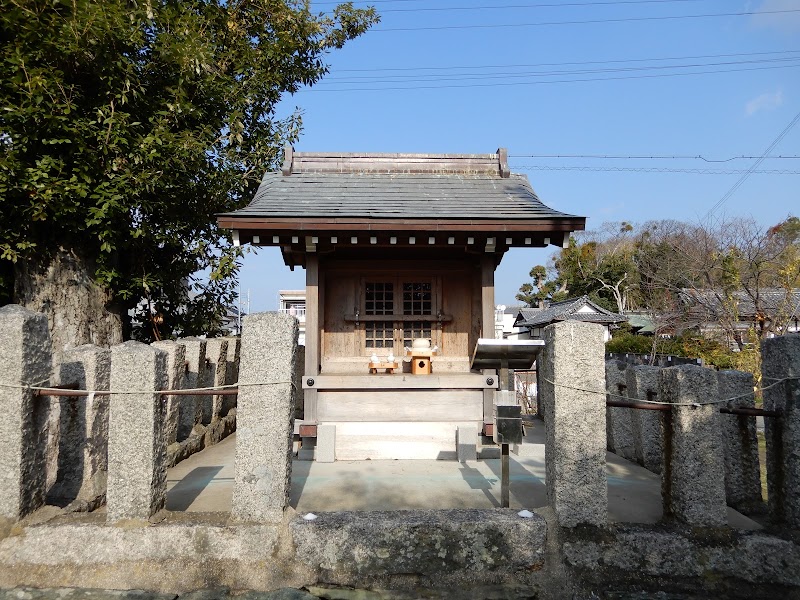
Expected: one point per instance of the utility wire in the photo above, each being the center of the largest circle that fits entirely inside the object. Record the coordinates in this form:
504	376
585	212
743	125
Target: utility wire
319	88
564	64
355	79
587	168
587	22
754	166
536	5
647	157
524	6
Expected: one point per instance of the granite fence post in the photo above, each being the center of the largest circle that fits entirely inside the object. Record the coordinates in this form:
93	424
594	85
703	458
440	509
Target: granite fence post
647	425
265	418
217	364
25	356
192	406
137	470
781	368
176	380
742	473
619	427
693	479
231	372
571	384
83	448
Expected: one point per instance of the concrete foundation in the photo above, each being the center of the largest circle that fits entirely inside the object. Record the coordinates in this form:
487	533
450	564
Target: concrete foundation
326	443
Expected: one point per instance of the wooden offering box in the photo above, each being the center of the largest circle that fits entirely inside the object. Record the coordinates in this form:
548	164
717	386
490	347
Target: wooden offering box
420	361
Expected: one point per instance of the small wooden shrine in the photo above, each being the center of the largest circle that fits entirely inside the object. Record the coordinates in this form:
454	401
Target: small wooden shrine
397	248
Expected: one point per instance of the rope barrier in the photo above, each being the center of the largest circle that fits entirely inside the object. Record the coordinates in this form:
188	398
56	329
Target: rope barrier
711	402
209	390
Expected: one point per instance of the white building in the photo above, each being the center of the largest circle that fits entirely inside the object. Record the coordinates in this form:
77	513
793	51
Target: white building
293	302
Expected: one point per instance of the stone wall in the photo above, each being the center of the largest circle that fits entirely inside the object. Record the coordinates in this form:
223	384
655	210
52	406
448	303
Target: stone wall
567	549
65	439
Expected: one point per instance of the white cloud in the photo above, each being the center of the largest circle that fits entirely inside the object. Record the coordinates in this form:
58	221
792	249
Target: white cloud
768	101
785	21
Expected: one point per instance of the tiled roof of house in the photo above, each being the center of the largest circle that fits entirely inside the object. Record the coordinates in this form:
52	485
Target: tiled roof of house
769	299
569	310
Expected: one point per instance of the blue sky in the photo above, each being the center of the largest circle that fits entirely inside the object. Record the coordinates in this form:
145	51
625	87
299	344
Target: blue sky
570	77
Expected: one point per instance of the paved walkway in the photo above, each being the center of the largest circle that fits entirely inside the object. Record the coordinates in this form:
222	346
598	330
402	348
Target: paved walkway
204	482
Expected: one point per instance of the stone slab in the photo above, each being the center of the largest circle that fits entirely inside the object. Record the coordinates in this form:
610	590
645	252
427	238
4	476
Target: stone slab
176	380
349	548
780	358
693	480
83	448
137	472
467	443
619	421
265	417
647	425
216	375
326	443
195	378
740	443
572	384
25	360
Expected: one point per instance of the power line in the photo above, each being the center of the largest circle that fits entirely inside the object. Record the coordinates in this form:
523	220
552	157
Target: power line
647	157
754	166
563	64
537	5
587	168
319	88
355	79
586	22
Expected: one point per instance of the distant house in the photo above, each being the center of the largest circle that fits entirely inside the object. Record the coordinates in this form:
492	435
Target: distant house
293	302
576	309
769	308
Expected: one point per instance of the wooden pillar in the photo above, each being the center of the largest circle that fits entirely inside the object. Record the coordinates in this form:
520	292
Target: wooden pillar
312	335
487	323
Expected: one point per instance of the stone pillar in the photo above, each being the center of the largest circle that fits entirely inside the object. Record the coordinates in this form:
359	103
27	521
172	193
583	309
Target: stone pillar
217	361
693	479
137	470
740	444
232	372
176	380
83	448
326	443
780	361
265	418
25	360
647	425
575	422
192	406
466	443
619	429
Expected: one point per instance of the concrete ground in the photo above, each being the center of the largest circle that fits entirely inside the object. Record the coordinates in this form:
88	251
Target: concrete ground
204	483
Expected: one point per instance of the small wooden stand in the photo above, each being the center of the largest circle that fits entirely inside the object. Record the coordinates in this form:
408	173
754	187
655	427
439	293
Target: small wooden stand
390	367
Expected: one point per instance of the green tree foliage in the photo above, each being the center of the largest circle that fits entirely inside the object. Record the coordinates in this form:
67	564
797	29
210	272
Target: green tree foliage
125	126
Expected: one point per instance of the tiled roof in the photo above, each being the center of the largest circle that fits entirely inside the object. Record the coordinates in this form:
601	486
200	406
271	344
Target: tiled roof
394	196
449	187
770	299
568	311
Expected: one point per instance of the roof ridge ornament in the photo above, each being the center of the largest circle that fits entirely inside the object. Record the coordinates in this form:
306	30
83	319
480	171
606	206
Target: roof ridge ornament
502	160
288	158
